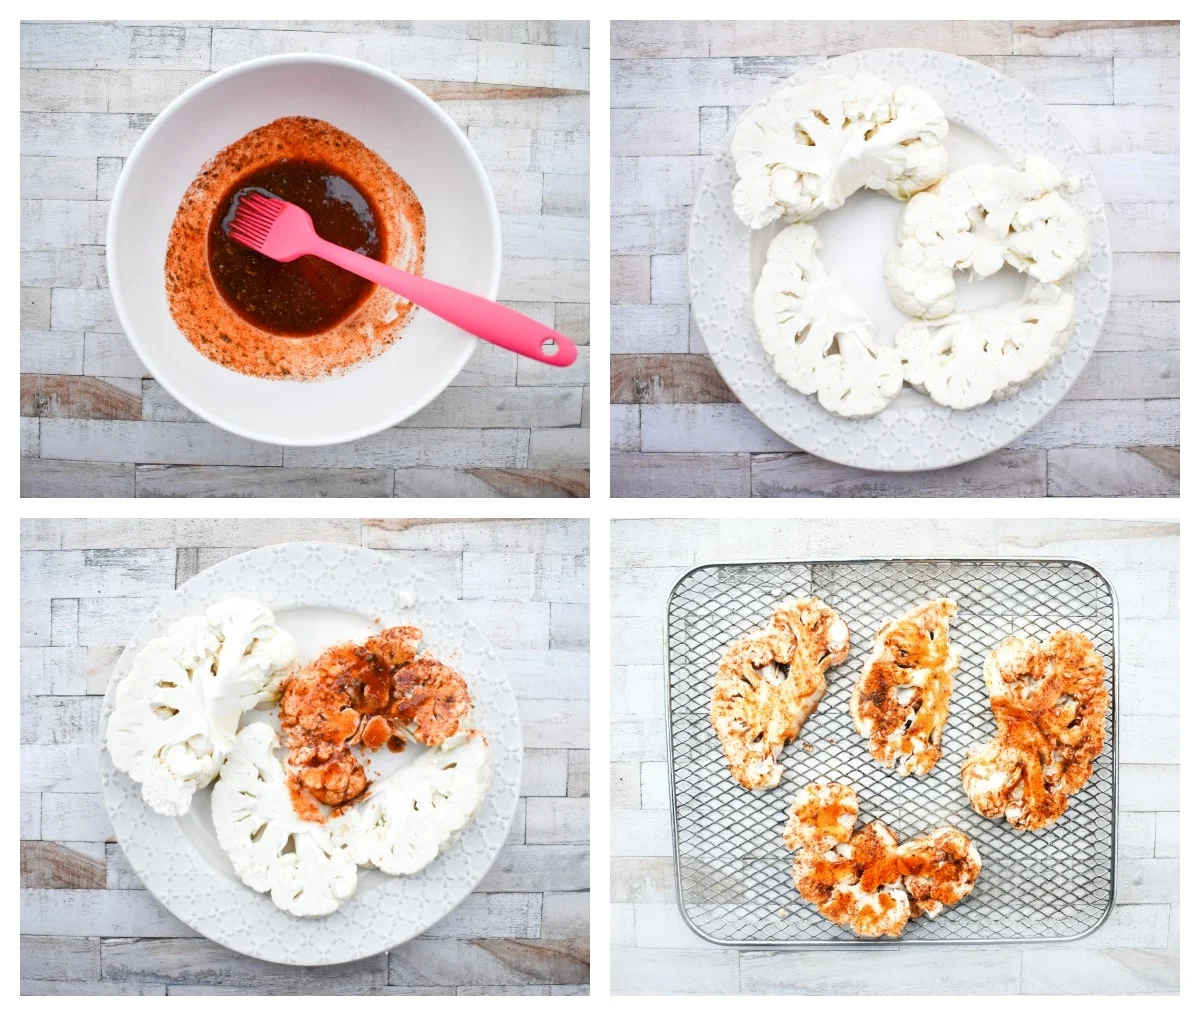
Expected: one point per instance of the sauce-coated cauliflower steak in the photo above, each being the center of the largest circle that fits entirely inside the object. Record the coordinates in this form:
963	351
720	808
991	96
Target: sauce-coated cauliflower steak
1049	701
811	145
273	850
769	682
865	879
978	219
177	711
967	359
902	699
819	340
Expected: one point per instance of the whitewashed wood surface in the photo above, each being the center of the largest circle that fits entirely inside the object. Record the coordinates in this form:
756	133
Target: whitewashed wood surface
94	423
1136	951
678	87
87	925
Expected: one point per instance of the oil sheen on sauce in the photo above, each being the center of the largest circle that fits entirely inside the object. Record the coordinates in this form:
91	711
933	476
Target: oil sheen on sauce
306	296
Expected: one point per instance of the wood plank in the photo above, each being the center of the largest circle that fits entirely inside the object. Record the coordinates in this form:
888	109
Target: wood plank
46	865
1141	227
110	355
655	182
979	971
1108	423
84	44
538	673
29	987
629	279
35	622
641	833
669	279
489	962
58	768
104	533
569	629
51	352
567	448
678	971
1149	740
574	321
151	442
49	177
53	670
1001	474
1097	38
1106	971
566	193
544	279
1137	176
1083	81
625	428
1149	788
1166	834
557	868
260	481
404	447
633	39
661	232
115	90
98	573
199	961
551	820
544	774
554	723
75	397
1145	82
55	223
60	957
1133	325
64	479
1146	277
491	915
60	719
676	133
640	329
579	775
80	135
534	373
686	378
104	913
485	482
1122	128
707	428
1113	472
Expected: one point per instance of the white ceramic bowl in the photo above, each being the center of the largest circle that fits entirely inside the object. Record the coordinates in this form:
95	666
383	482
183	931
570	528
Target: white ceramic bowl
411	133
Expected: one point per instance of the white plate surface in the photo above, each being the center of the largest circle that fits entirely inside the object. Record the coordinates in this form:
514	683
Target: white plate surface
322	594
992	119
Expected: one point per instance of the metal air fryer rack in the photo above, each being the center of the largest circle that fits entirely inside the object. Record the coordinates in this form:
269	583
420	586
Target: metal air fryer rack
733	872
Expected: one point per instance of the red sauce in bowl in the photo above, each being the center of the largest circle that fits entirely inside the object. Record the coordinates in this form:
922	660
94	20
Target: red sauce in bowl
308	295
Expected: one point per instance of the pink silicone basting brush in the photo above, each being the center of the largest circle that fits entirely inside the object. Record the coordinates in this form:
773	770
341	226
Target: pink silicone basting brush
283	232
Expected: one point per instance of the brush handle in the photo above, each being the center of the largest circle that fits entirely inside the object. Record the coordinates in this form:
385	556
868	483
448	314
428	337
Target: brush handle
490	321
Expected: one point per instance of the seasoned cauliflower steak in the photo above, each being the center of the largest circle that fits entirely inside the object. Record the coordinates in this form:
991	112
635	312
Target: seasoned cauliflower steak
866	880
272	849
978	219
382	691
811	145
818	338
967	359
902	699
177	711
769	682
413	815
1049	701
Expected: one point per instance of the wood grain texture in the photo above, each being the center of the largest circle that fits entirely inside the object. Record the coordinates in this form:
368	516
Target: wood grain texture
1135	951
677	88
89	926
90	89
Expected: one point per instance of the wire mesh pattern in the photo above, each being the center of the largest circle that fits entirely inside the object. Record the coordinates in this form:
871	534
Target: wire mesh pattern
734	873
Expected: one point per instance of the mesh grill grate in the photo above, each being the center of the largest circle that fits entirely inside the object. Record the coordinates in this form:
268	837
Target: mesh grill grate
733	871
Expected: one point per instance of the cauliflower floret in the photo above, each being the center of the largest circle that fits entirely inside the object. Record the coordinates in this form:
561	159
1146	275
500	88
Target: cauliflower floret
967	359
272	849
819	340
177	711
977	219
813	144
413	815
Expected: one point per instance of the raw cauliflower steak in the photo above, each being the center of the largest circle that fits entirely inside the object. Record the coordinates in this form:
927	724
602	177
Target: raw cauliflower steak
819	340
865	879
177	711
769	682
811	145
902	699
1049	701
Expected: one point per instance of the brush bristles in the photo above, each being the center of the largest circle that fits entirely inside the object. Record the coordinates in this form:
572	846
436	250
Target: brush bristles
254	218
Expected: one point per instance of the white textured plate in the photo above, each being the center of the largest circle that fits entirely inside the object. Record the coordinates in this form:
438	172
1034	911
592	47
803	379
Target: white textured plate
321	593
992	118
